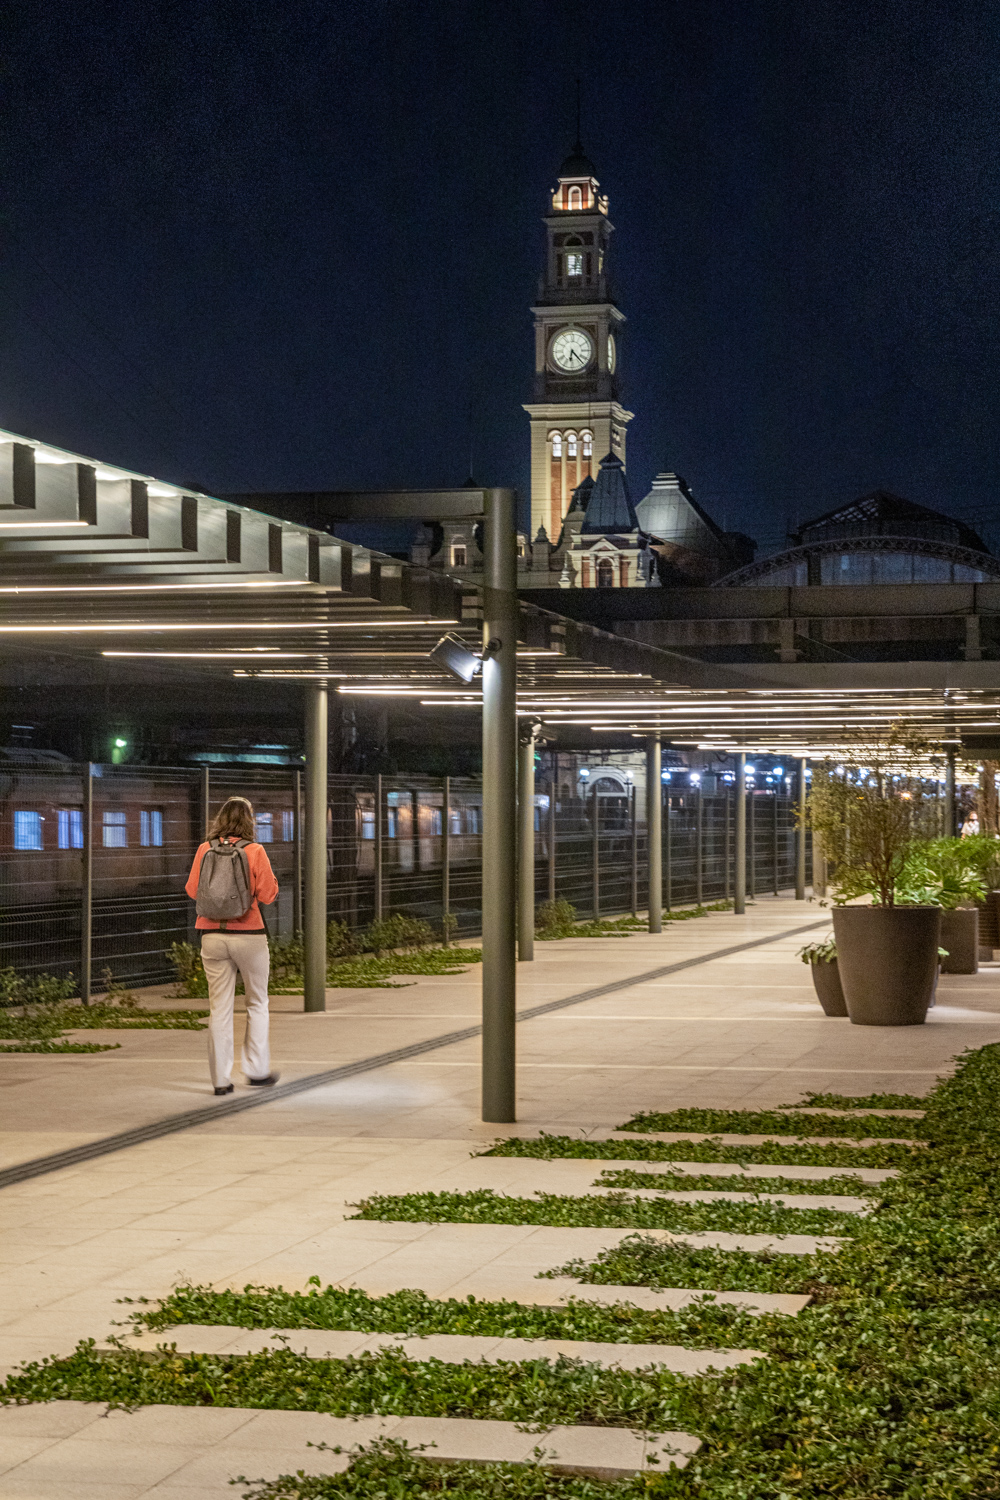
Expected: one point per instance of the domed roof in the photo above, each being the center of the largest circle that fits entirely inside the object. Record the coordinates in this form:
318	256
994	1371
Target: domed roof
577	165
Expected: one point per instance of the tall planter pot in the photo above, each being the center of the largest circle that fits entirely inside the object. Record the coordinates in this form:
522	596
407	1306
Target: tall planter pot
829	992
960	935
887	957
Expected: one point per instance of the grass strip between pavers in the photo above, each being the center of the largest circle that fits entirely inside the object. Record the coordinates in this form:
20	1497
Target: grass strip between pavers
888	1386
775	1153
484	1206
859	1101
774	1122
412	1314
391	1471
741	1182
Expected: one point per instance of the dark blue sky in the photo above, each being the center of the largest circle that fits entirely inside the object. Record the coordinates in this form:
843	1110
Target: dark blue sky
292	246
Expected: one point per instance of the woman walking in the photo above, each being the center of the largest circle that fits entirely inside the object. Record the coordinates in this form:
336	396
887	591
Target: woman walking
231	874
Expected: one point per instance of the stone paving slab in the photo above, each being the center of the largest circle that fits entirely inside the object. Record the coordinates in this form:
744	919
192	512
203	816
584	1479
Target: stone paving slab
67	1448
452	1349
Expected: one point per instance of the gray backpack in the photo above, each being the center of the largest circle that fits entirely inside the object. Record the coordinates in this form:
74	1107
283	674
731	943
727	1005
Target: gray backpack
224	893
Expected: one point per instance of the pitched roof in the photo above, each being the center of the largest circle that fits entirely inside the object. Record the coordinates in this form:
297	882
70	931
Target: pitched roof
609	505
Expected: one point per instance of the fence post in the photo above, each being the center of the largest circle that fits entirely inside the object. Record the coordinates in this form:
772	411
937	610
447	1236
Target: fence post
87	893
949	796
635	853
800	837
774	843
669	857
753	847
596	851
654	831
446	862
727	847
553	793
740	872
698	848
297	916
379	833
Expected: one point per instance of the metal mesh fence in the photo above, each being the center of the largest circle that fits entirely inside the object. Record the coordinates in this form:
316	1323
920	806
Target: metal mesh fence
392	847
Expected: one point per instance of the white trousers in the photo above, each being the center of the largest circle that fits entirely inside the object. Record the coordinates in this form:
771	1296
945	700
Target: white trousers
224	954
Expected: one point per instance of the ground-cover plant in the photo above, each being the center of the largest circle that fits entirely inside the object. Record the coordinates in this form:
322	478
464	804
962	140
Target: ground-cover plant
859	1101
347	966
391	1471
21	990
44	1015
411	1314
558	919
483	1206
777	1153
738	1183
769	1122
388	1383
642	1261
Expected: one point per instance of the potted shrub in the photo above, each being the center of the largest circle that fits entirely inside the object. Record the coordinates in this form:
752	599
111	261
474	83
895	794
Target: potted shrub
940	872
822	960
982	851
887	951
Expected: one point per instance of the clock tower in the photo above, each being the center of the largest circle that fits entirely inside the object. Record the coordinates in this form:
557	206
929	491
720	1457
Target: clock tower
576	417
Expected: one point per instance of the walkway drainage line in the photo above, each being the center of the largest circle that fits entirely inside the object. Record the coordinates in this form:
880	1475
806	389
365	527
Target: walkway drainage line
208	1114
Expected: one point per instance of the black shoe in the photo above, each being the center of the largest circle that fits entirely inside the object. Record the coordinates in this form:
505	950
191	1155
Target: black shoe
227	1090
264	1083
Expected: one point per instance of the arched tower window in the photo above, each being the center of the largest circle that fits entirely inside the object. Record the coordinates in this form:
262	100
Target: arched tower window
586	463
605	573
557	445
575	197
571	445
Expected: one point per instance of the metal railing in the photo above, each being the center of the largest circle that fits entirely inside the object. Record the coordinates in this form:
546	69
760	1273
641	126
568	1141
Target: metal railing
93	859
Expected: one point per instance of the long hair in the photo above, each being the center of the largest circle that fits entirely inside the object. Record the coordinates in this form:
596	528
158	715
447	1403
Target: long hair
234	820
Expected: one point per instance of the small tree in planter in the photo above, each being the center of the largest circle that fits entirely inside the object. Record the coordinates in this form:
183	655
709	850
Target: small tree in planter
868	819
942	872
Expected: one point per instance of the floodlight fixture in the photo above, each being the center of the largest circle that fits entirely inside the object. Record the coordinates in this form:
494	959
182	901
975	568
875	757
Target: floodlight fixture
455	657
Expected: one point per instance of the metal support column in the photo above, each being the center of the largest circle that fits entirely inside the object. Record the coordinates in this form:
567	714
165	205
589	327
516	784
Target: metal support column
553	794
298	854
740	872
314	913
379	844
500	622
415	836
526	845
949	796
654	831
800	836
698	847
634	814
446	863
595	850
87	893
206	805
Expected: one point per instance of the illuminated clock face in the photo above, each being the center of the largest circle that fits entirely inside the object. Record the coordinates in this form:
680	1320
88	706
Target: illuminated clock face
572	350
612	353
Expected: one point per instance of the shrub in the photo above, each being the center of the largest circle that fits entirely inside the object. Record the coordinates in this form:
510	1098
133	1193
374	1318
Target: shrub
397	931
38	989
555	919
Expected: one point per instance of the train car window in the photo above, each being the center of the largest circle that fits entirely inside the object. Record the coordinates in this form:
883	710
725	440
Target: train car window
70	828
391	816
27	829
115	830
264	828
473	817
288	825
151	828
368	822
436	818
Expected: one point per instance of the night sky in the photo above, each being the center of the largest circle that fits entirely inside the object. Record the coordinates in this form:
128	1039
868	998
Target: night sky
267	246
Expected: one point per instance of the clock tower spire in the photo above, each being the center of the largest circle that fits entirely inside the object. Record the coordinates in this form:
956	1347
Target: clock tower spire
576	416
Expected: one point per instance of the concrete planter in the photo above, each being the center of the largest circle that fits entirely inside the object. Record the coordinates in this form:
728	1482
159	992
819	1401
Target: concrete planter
960	935
887	957
829	992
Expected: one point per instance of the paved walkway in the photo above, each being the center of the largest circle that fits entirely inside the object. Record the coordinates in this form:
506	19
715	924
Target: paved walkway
262	1196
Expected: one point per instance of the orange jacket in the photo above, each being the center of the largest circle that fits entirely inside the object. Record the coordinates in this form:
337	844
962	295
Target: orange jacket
262	884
